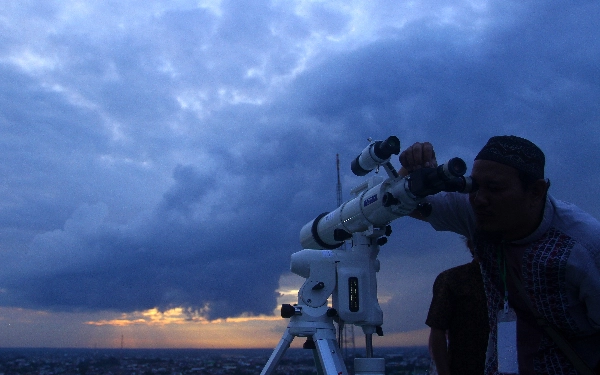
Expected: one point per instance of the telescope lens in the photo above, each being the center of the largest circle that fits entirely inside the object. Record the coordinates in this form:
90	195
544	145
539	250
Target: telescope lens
456	167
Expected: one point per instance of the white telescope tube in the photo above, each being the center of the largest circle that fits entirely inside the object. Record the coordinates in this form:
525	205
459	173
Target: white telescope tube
357	215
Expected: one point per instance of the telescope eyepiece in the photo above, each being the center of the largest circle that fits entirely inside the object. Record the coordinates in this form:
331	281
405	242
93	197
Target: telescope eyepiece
455	167
446	177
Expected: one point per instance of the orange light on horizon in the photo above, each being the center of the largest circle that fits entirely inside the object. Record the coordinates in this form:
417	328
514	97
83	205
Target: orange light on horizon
178	315
154	329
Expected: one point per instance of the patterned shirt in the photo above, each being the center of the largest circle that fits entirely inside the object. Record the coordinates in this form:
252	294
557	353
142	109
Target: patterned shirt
559	268
459	307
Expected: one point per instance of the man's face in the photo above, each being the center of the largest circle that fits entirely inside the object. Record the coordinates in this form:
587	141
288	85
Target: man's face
501	204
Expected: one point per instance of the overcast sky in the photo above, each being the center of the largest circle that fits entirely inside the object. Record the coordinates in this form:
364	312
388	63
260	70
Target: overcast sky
161	157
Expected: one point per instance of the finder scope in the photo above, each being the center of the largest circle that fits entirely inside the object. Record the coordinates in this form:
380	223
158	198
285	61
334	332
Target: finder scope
374	155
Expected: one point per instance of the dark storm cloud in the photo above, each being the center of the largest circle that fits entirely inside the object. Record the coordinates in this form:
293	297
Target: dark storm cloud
195	248
37	142
173	162
535	78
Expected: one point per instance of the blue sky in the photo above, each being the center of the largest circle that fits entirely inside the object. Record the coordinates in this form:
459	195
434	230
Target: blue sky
160	158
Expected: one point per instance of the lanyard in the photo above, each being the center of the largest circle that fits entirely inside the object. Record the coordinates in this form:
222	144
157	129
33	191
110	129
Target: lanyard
502	270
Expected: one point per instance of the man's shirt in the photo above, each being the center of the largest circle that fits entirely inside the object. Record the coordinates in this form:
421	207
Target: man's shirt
559	268
458	306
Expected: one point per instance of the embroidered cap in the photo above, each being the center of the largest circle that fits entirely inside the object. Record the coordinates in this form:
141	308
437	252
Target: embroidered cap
515	152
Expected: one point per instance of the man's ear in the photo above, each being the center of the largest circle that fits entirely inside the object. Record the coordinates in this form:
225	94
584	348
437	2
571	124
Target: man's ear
539	189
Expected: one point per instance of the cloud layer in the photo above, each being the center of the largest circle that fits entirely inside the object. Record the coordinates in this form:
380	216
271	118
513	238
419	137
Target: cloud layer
166	155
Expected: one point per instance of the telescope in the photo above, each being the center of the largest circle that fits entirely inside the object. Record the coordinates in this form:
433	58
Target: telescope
349	277
379	201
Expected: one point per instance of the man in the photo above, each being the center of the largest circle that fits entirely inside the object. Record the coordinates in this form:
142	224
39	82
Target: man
458	310
539	257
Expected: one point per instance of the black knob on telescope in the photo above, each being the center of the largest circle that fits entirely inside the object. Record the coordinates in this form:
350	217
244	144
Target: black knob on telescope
331	312
287	311
388	200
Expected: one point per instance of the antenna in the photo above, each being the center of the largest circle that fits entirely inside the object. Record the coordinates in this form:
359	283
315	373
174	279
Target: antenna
339	183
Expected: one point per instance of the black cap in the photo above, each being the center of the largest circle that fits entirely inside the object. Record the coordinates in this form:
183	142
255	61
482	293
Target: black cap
515	152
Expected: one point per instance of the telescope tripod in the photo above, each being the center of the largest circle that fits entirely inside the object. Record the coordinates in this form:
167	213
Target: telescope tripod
349	276
317	326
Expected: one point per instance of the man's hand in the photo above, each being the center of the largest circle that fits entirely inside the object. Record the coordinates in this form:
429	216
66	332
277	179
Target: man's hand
417	156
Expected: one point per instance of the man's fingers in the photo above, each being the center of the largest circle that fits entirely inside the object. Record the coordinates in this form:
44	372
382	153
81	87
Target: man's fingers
406	158
428	155
418	155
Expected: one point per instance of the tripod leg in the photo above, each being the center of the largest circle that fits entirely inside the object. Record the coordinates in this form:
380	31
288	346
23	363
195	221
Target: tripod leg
330	357
278	352
318	365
